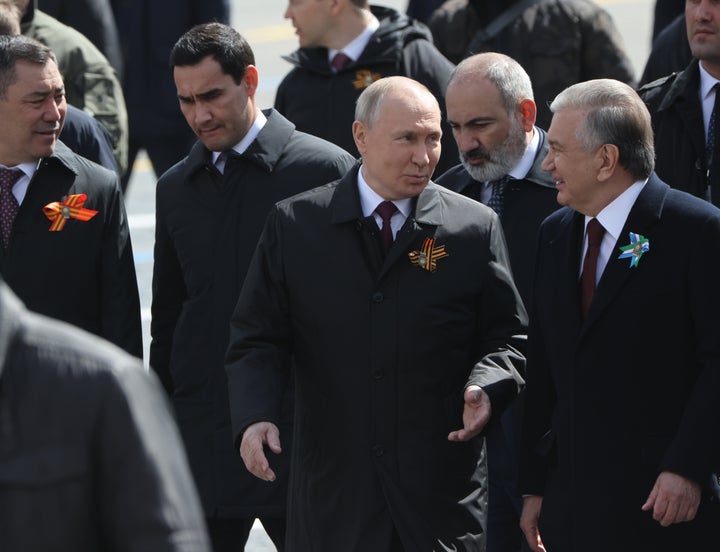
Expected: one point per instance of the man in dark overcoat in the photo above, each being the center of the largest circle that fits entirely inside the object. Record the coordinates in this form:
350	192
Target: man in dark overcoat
66	243
211	207
621	414
90	457
492	115
394	298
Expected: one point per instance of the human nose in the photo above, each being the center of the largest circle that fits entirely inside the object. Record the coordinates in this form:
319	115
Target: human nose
548	164
287	14
202	114
466	140
53	110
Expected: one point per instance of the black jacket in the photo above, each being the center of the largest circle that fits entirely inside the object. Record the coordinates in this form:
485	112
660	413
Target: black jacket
90	458
85	273
527	202
207	227
322	103
383	350
677	120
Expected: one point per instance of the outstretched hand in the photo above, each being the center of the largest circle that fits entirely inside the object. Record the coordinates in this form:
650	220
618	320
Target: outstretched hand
476	414
252	449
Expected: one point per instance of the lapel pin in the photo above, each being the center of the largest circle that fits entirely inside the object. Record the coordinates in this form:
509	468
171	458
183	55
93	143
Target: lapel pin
638	245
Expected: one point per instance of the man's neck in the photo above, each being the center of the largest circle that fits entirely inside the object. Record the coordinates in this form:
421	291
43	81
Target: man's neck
712	68
349	26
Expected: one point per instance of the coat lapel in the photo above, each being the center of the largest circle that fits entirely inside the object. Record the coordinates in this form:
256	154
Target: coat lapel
428	215
565	250
642	218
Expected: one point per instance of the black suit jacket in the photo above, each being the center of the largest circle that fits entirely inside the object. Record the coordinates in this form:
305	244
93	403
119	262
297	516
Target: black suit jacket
383	351
85	273
631	391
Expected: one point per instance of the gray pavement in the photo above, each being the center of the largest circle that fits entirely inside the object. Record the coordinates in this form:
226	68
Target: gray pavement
262	23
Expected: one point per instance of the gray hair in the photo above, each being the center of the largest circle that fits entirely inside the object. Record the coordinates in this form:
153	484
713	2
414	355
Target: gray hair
504	72
369	104
19	48
615	115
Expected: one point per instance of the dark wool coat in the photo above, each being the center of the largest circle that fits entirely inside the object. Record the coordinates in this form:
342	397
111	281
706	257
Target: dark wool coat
207	227
90	458
631	391
85	273
383	351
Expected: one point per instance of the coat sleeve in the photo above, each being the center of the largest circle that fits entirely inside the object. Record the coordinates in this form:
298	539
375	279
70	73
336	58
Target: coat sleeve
502	323
168	295
260	337
147	498
120	317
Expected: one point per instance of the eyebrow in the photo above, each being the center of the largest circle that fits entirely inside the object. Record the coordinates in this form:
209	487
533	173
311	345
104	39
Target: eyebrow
46	93
472	121
207	95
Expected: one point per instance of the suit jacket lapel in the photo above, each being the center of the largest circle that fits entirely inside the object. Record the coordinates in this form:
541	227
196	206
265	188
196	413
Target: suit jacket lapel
641	219
565	250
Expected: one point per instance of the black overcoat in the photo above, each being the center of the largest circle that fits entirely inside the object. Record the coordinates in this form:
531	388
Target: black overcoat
85	273
384	350
207	228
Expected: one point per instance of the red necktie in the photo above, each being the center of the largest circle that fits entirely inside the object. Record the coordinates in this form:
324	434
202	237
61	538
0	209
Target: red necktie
339	61
9	206
595	232
386	209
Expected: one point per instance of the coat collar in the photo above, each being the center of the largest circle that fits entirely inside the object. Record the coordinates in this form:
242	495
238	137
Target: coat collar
346	202
265	150
536	175
429	213
63	157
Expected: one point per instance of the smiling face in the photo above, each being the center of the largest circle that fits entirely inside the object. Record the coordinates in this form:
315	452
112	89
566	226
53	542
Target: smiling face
574	169
219	110
32	113
490	140
702	18
401	149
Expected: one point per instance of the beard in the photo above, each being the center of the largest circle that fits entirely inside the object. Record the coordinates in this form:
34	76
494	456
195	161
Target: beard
500	160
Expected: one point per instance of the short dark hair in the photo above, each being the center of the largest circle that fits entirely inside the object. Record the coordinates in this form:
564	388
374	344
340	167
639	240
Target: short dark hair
19	48
222	42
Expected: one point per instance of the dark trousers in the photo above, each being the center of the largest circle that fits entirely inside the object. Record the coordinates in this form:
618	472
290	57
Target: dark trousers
230	535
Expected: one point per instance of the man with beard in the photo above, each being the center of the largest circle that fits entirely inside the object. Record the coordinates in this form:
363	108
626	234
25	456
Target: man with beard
492	114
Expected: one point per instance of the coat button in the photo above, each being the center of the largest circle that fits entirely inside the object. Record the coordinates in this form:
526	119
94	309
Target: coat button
378	297
378	450
377	374
698	164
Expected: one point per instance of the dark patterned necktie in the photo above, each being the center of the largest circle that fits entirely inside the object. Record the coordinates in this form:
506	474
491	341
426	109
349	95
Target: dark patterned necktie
339	62
9	206
386	210
497	194
595	232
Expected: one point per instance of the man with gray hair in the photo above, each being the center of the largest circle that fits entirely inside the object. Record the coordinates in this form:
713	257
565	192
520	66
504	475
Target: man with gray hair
621	414
492	115
394	298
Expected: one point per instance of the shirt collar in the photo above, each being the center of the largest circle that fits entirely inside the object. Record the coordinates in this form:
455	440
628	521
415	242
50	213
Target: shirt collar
249	137
369	199
355	48
28	168
615	214
523	167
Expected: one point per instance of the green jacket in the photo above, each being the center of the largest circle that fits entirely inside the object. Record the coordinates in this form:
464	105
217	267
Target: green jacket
91	83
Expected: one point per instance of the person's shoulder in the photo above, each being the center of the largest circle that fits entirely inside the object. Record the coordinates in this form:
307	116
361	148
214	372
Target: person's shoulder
68	44
658	87
453	177
85	170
